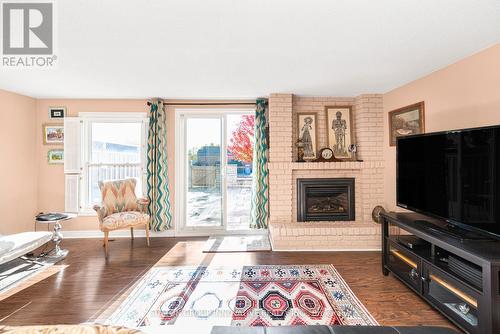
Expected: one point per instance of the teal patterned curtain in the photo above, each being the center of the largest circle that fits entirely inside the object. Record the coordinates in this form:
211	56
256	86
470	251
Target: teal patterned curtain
157	169
260	182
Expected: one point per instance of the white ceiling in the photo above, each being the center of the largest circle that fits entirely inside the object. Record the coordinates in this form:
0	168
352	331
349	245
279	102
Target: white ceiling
245	49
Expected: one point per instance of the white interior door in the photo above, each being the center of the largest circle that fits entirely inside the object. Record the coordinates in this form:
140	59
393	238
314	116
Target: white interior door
213	171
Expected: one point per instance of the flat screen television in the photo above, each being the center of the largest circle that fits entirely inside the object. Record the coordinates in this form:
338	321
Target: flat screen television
453	175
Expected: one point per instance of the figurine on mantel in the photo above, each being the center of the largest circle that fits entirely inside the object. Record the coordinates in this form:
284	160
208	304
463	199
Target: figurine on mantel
353	148
300	150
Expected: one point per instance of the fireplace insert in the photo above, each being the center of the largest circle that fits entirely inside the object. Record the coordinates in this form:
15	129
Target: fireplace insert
329	199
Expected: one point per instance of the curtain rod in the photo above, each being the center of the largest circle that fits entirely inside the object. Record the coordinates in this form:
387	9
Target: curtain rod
207	103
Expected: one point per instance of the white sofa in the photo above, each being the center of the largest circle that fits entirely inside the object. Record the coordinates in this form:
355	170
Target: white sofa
16	245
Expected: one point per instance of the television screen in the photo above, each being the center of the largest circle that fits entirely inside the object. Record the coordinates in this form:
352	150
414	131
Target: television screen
452	175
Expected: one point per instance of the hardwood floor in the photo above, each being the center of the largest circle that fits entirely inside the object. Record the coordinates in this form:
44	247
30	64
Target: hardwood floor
89	283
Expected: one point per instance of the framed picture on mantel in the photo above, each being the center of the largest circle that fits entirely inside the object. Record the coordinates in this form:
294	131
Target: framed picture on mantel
409	120
307	134
340	131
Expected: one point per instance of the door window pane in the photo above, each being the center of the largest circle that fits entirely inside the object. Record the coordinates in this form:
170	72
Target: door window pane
203	157
240	139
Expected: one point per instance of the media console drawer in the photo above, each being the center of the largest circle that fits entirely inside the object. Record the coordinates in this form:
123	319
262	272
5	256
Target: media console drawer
452	297
404	264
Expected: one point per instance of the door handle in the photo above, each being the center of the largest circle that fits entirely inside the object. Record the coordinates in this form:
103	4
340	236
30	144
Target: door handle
413	274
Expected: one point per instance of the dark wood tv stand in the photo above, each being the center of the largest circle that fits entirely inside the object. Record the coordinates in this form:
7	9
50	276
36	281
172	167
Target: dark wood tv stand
457	276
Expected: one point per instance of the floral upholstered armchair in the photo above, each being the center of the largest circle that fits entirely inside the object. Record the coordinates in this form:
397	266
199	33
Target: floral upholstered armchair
121	209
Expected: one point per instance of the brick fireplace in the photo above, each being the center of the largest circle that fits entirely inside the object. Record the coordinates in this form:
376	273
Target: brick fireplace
357	231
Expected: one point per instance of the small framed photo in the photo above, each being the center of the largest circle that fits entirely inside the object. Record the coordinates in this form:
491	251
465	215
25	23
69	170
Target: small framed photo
340	131
409	120
307	134
55	157
53	134
57	112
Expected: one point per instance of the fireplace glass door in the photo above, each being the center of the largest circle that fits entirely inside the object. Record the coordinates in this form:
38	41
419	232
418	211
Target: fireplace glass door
325	199
326	202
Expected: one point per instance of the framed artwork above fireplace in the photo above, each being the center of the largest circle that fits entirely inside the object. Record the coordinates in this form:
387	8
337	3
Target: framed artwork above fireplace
340	131
307	130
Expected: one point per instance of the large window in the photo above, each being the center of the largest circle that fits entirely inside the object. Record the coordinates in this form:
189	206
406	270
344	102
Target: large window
113	148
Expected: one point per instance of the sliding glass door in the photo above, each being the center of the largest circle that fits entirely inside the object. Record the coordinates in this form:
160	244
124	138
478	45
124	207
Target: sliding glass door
215	171
203	175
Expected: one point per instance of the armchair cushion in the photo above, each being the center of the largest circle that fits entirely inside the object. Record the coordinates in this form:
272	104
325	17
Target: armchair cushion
125	219
118	196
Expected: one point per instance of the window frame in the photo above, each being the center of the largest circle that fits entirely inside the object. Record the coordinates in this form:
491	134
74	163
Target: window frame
87	119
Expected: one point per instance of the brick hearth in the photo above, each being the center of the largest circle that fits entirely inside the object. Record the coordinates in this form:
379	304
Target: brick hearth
286	232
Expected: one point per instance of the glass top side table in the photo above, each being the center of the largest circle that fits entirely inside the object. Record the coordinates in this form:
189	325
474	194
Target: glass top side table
57	236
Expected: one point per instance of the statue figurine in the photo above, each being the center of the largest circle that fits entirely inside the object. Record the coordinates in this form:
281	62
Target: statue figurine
300	150
353	148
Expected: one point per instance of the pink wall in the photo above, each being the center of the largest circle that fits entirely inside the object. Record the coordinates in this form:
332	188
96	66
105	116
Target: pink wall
465	94
18	180
51	177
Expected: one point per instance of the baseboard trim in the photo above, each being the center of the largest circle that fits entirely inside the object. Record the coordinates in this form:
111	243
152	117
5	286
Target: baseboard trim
85	234
229	233
328	250
142	233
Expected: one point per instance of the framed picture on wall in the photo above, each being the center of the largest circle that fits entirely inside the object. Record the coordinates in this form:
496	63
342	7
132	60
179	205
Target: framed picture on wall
409	120
340	131
55	157
53	134
306	126
57	112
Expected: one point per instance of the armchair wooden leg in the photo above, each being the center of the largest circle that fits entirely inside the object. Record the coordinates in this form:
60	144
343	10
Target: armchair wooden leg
132	233
106	235
147	234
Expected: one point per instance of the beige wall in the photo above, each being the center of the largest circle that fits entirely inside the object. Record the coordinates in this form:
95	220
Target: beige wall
18	193
465	94
51	177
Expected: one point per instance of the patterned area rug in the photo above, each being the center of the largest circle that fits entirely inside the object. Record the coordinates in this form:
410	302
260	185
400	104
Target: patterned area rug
241	296
230	244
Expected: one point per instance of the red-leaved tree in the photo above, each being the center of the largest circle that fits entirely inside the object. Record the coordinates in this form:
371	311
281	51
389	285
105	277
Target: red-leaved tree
241	143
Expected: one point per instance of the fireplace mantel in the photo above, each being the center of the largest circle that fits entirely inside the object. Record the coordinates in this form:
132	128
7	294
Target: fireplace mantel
344	165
